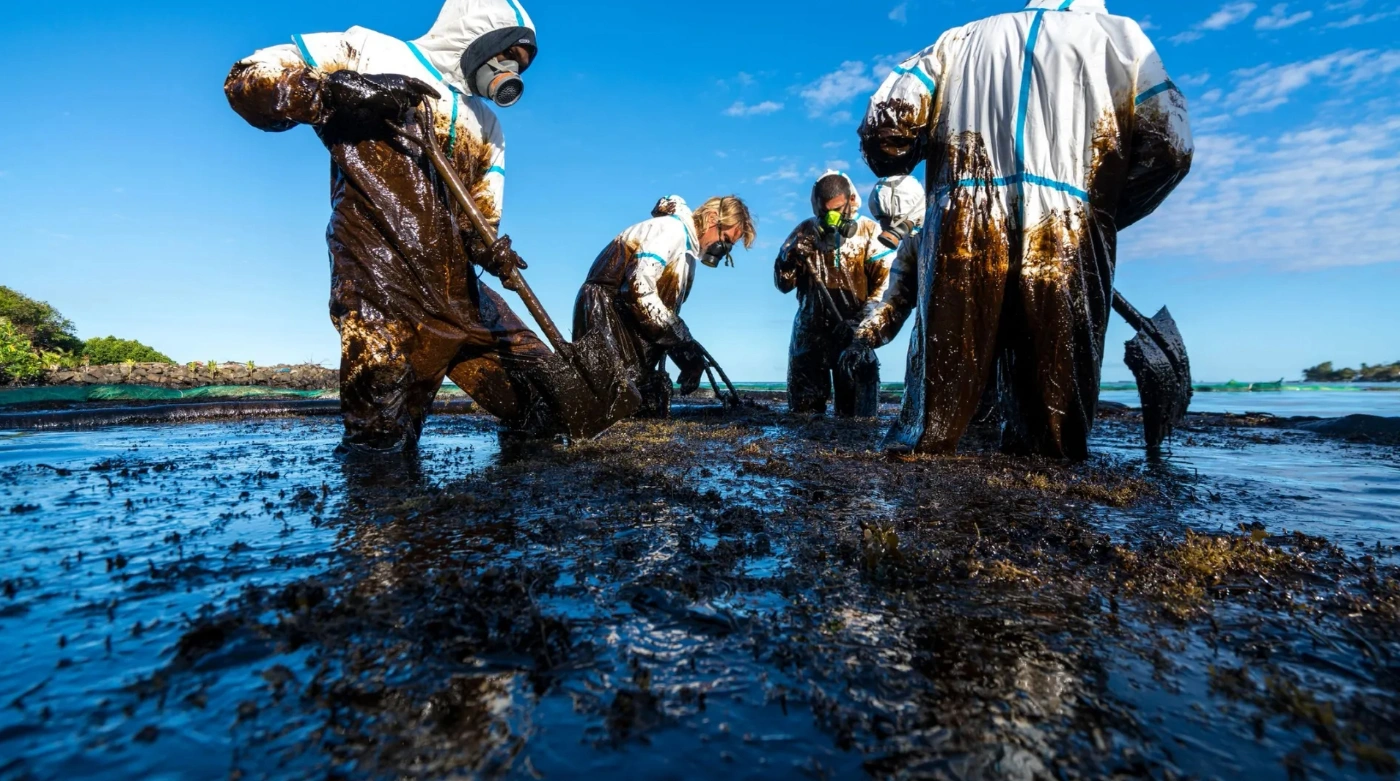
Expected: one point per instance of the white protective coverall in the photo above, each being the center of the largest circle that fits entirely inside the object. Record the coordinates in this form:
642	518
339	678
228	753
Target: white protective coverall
895	199
404	293
635	290
1045	132
854	273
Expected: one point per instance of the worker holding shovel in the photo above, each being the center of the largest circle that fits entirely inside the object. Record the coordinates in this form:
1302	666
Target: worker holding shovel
405	295
837	265
634	291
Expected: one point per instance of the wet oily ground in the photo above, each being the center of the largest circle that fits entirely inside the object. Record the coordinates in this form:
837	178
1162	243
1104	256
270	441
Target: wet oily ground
748	595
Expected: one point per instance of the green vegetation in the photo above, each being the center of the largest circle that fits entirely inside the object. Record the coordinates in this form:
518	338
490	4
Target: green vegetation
34	336
41	324
1323	372
18	360
105	350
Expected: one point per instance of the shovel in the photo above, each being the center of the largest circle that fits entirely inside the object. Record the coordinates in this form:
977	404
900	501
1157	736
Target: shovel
1157	358
591	384
867	406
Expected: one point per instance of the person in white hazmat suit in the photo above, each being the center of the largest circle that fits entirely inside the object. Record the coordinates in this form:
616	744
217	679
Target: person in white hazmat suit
638	283
898	203
404	295
835	249
1045	132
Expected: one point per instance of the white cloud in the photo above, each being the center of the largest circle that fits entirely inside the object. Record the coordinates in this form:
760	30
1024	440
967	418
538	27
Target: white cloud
838	165
836	88
742	109
1356	20
1346	5
900	13
1192	79
1269	86
787	173
1229	14
827	145
1226	16
1279	18
1304	199
1146	24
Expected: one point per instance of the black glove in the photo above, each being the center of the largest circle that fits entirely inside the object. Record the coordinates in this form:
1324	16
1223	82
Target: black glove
859	362
355	100
845	333
500	260
803	249
690	359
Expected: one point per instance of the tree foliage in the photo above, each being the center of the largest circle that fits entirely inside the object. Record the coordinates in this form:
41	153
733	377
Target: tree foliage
1324	372
105	350
41	324
19	362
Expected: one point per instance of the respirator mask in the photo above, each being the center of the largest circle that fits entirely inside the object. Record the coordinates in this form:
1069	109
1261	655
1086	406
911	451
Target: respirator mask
492	70
500	81
718	251
834	227
895	232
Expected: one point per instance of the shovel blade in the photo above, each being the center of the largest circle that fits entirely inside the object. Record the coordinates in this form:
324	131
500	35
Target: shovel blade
1163	373
593	389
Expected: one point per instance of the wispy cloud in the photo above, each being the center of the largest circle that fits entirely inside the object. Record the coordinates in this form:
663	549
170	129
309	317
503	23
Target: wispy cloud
900	13
836	88
1226	16
1192	79
1356	20
1146	24
1279	18
1298	200
742	109
1269	86
787	173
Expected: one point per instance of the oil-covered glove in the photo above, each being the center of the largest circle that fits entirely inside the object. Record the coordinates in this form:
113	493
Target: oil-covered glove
802	252
859	362
690	359
355	100
500	260
845	333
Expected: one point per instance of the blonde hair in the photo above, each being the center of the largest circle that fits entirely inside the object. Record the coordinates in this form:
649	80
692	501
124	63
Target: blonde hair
729	212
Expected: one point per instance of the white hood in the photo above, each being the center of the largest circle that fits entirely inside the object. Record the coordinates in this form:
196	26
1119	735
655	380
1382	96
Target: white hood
899	197
460	24
850	188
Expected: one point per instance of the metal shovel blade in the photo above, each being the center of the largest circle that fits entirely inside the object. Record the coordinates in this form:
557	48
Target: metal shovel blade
1158	360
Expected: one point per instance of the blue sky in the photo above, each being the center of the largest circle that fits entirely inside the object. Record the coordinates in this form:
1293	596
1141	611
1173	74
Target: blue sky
136	201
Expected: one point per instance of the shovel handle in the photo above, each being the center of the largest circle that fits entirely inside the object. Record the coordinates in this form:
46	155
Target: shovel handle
488	235
824	295
1130	313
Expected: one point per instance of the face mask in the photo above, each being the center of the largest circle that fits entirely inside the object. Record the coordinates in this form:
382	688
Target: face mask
500	81
718	251
896	232
834	222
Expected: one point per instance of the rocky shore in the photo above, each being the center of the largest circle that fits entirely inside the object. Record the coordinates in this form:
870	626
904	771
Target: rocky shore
197	375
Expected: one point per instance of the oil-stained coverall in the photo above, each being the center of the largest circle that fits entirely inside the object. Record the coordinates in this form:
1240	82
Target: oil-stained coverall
404	294
855	271
1045	132
634	292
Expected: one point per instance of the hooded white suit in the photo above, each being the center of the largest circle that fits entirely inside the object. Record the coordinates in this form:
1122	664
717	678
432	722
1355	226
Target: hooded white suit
635	290
404	293
855	273
1045	132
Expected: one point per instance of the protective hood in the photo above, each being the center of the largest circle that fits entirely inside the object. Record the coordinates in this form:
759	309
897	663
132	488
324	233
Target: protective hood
469	32
899	198
817	209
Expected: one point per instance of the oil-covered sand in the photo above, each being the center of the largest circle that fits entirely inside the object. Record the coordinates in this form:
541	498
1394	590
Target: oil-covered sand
748	595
